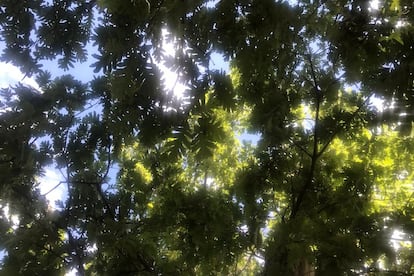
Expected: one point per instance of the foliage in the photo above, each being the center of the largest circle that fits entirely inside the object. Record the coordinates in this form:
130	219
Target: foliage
160	185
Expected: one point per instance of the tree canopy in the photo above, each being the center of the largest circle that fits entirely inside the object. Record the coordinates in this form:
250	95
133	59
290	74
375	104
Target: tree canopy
162	185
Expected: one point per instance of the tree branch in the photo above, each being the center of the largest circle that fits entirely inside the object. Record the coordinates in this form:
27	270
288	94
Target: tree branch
301	148
51	190
315	152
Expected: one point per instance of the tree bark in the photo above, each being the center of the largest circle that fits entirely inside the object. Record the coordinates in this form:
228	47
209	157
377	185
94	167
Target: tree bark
304	268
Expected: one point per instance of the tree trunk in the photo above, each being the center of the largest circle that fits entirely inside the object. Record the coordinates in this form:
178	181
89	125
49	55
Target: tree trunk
304	268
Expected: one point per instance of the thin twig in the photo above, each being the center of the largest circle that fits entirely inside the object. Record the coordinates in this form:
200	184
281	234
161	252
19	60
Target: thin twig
300	147
60	182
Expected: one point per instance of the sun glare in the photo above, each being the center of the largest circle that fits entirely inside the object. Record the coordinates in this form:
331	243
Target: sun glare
374	5
72	272
11	75
52	187
171	78
14	219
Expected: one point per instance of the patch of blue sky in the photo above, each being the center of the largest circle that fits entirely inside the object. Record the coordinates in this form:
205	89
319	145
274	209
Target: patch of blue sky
251	138
217	62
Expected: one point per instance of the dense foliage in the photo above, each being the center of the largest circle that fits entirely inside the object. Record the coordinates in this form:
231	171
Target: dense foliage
161	185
